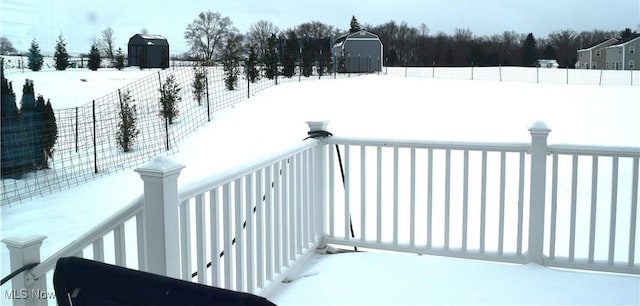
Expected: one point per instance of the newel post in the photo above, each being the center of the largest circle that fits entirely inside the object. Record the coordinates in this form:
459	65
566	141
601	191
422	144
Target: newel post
26	290
161	228
318	130
539	132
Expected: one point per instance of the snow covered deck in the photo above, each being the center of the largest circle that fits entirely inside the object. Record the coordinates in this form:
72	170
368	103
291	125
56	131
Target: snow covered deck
374	278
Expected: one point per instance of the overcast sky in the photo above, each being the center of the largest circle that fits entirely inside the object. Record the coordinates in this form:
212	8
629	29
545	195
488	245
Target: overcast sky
81	21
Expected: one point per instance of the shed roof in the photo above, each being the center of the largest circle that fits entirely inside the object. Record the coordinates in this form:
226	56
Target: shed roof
149	39
340	40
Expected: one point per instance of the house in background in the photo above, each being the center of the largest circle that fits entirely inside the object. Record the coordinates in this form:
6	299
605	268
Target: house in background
625	54
595	56
148	51
358	52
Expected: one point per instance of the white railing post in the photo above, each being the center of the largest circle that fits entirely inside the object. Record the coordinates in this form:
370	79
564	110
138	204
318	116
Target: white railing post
161	226
319	181
539	132
26	289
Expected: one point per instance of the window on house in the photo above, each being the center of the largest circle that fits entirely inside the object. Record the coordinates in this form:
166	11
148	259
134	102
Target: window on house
631	65
632	49
594	65
598	52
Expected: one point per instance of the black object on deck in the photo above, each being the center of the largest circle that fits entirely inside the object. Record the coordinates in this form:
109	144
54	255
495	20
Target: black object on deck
79	281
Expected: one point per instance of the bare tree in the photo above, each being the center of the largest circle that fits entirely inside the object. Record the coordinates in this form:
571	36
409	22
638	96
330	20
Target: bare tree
566	44
107	43
259	34
207	33
314	29
6	46
424	30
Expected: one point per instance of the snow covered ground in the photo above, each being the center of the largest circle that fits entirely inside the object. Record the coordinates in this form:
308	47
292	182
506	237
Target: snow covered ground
377	107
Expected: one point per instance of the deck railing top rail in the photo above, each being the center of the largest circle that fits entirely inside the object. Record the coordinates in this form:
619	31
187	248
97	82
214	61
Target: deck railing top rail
229	175
87	238
453	145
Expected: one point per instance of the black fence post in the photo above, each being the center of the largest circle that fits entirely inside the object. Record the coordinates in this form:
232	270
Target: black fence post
206	84
248	82
95	146
166	128
76	129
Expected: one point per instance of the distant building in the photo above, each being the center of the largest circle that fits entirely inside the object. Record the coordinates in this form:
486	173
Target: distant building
595	56
358	52
547	63
625	54
148	51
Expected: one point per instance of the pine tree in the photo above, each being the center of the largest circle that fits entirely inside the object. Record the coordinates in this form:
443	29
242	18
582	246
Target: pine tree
290	55
270	58
10	140
50	132
199	83
231	62
252	65
35	57
127	128
169	98
119	59
31	124
8	107
529	51
61	56
94	58
308	59
354	25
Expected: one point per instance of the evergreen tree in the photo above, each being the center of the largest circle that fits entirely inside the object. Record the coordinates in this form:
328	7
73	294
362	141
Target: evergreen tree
127	128
270	58
50	132
61	56
30	117
28	101
8	107
252	65
290	55
94	58
169	98
308	59
354	25
529	51
199	83
119	59
35	57
549	52
231	62
11	132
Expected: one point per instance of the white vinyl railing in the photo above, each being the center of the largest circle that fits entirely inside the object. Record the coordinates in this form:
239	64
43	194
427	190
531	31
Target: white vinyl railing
245	229
250	224
594	208
418	197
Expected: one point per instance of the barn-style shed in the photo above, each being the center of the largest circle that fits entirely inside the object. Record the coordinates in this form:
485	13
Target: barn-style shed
148	51
358	52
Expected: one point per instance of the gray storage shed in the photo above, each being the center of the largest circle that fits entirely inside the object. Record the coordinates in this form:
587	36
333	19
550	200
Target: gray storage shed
148	51
358	52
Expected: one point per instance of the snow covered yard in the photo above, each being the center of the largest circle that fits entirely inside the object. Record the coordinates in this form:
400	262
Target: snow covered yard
380	107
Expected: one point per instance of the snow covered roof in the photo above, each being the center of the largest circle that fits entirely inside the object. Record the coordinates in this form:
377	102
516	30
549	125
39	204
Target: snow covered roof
152	36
